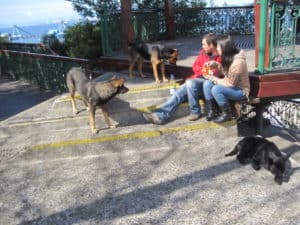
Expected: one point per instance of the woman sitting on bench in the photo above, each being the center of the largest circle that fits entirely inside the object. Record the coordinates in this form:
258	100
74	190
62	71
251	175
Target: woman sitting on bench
234	86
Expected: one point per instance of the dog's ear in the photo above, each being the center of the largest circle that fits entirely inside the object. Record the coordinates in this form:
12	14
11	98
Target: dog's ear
122	81
118	82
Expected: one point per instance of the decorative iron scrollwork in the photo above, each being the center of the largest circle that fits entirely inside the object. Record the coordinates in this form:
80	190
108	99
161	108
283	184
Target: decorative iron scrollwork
285	48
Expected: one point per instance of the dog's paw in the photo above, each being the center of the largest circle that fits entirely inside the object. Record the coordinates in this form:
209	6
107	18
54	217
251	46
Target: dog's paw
114	125
95	131
143	76
157	81
165	80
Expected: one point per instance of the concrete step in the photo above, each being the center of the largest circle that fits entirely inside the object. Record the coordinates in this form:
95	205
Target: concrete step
48	118
143	96
52	121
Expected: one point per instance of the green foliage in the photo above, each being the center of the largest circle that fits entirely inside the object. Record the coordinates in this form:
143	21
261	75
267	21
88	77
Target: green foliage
94	8
188	4
53	42
198	3
83	40
4	39
99	7
148	4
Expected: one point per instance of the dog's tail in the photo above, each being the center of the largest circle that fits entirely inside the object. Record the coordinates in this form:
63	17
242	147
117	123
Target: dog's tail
234	151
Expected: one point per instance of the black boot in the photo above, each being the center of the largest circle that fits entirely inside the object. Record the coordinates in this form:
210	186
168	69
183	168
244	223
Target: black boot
225	115
211	110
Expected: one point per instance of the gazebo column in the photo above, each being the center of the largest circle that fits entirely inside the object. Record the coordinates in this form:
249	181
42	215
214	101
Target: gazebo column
127	25
169	15
262	34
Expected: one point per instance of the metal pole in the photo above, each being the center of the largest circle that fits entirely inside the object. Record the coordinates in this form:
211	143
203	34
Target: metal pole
262	34
272	36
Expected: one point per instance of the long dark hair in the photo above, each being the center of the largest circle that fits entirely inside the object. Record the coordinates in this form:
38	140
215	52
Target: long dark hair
229	49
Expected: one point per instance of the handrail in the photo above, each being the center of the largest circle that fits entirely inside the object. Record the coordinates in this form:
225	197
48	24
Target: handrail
40	55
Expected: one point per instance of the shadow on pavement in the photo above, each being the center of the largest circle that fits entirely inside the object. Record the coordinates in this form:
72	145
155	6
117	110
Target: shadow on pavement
137	201
17	96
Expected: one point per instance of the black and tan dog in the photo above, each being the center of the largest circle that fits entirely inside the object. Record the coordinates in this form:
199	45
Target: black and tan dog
93	94
157	54
261	153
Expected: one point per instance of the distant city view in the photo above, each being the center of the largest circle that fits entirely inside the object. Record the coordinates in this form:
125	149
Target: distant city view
34	33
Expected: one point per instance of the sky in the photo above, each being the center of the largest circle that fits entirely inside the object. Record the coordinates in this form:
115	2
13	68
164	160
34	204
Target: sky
34	12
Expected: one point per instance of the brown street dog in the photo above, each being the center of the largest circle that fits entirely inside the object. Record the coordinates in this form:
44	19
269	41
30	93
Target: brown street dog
93	94
157	54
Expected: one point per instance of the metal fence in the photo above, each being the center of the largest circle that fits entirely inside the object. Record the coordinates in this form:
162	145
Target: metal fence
284	113
284	42
33	48
149	25
46	71
225	20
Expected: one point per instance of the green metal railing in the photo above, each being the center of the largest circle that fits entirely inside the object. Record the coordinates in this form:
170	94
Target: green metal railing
229	20
284	46
284	17
46	71
33	48
149	25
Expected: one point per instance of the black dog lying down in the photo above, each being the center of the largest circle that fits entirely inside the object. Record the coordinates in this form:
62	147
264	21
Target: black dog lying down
261	152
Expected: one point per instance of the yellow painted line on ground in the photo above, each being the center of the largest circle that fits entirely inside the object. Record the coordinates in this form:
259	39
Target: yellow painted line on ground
140	109
131	90
28	123
152	88
134	135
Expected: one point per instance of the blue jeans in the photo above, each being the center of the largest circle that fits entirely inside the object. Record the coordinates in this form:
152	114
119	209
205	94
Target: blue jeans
222	94
190	91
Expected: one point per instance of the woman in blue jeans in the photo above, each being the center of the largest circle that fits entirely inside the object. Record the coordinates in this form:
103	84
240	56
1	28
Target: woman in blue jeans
234	85
192	87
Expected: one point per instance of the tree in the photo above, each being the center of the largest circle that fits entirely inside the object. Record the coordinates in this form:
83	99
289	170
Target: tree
4	39
96	8
212	4
52	41
82	41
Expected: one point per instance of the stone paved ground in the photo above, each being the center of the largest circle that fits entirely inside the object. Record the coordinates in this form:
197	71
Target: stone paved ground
53	171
